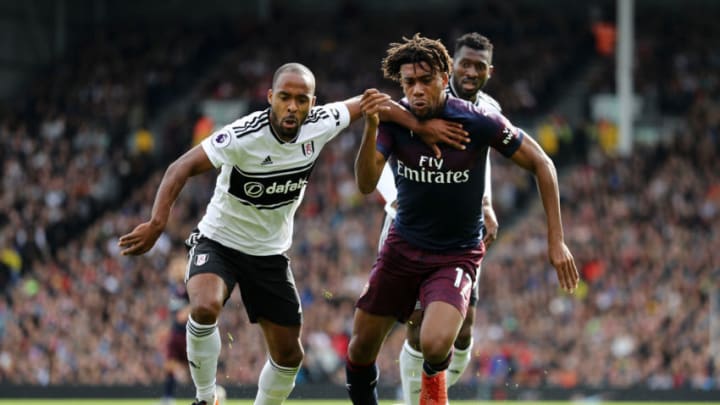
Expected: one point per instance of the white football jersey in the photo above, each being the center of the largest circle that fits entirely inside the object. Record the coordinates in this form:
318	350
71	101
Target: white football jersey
480	98
262	179
386	187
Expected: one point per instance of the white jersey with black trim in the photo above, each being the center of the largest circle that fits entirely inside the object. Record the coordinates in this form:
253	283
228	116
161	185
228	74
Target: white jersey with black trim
262	179
480	98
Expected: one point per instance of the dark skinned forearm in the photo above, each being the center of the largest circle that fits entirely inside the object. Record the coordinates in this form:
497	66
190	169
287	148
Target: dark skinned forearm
546	176
170	187
366	165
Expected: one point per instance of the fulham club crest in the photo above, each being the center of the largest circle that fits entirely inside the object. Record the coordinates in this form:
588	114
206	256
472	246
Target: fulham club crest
308	148
201	259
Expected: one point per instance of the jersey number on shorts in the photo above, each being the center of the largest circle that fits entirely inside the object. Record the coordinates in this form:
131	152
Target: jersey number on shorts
458	281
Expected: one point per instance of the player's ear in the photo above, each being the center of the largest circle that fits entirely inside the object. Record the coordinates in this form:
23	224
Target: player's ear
312	101
445	79
270	93
491	70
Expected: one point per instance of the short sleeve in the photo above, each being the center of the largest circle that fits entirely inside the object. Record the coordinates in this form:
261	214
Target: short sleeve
506	138
385	140
218	146
339	116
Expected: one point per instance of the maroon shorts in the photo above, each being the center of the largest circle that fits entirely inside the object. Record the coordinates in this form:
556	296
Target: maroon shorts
176	346
404	273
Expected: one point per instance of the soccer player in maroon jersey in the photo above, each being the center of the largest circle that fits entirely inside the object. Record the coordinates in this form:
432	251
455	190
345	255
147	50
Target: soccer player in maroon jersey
472	68
435	246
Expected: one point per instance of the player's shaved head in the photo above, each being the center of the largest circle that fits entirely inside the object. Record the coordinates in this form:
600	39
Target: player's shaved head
291	97
297	68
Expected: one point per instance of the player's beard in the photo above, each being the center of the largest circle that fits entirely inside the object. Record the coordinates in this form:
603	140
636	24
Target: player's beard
464	93
469	94
281	131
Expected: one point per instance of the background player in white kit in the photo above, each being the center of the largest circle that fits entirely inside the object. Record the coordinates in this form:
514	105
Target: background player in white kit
265	160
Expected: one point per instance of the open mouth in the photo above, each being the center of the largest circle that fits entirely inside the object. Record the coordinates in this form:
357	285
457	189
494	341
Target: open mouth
289	122
469	85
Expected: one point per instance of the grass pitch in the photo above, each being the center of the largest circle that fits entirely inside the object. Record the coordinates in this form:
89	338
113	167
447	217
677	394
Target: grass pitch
155	401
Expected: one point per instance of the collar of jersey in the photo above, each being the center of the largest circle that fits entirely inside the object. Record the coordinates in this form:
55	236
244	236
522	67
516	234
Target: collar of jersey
454	93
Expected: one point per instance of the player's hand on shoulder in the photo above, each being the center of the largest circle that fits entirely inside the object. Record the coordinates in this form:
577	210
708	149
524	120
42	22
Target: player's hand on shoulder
564	263
436	130
371	103
141	239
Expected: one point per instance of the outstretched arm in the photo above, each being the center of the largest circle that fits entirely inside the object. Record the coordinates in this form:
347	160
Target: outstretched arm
369	162
432	131
353	106
531	157
144	236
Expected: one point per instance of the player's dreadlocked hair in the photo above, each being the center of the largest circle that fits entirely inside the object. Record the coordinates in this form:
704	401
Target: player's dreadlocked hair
475	41
416	50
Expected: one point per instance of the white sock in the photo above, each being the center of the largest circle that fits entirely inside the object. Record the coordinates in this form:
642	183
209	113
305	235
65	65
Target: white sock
458	363
203	350
411	362
275	383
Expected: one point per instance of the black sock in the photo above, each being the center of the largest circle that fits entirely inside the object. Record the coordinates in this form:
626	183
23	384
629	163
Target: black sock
169	386
362	383
432	369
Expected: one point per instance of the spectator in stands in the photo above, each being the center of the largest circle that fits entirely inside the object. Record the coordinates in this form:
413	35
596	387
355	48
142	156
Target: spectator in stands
74	261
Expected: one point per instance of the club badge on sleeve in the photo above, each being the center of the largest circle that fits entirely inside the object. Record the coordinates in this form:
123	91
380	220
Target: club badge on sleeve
221	139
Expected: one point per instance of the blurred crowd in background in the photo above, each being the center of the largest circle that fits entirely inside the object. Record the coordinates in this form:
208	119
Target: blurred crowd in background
80	165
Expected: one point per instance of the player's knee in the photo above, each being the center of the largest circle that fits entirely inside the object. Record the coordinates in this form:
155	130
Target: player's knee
205	312
288	356
435	348
357	350
361	351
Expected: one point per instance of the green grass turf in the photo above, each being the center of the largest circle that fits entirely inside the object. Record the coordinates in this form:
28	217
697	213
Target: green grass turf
297	402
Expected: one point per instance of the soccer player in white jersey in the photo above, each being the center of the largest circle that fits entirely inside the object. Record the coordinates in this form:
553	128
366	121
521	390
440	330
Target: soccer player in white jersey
265	160
472	67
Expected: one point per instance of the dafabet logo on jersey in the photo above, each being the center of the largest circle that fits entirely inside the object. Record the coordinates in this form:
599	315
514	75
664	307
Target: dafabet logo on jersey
268	190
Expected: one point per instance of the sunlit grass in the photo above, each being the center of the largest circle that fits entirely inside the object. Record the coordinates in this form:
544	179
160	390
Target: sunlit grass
155	401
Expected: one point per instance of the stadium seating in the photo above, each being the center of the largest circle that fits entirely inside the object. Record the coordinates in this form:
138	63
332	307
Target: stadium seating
643	227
